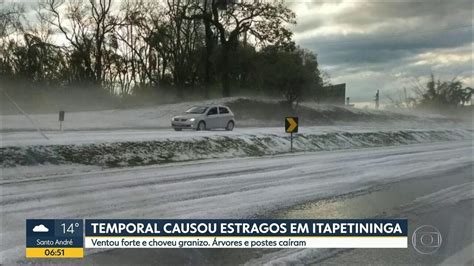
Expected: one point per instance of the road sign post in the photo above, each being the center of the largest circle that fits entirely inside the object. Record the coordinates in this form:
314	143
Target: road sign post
291	126
61	119
291	145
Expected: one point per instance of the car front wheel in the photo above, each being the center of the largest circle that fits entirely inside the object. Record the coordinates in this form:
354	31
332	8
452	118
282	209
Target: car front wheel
201	126
230	126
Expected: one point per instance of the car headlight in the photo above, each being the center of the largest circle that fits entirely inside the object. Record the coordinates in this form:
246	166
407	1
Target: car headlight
192	119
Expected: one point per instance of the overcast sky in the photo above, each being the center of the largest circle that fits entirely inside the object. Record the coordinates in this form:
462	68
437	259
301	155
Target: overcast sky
387	45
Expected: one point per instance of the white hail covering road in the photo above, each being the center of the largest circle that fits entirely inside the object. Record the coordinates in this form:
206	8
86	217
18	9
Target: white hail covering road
28	138
234	188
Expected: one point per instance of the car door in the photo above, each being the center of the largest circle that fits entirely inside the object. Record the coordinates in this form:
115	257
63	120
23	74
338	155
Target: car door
212	117
223	116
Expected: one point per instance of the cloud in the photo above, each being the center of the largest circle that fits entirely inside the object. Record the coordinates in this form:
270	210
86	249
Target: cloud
40	229
376	44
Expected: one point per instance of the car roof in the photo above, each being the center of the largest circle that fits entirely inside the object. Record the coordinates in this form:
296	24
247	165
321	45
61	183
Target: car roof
211	105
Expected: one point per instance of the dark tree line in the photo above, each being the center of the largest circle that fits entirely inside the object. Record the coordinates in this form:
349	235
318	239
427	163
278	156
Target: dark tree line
134	46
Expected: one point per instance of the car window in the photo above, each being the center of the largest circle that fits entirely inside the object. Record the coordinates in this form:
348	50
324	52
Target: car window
212	111
196	110
223	110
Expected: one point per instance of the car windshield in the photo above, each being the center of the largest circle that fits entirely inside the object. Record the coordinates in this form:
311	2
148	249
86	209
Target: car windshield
197	110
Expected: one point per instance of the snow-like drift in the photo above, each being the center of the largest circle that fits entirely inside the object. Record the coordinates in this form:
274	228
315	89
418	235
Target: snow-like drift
249	112
133	153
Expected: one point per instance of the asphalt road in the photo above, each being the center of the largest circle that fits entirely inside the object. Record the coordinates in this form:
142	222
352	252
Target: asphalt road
253	187
429	200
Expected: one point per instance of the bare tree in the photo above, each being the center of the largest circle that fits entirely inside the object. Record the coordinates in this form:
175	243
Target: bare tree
265	21
85	26
103	23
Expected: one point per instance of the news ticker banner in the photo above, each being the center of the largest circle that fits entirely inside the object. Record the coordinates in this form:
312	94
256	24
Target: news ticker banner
68	238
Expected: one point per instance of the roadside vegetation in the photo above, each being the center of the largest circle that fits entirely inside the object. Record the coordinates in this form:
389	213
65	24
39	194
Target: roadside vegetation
128	52
445	97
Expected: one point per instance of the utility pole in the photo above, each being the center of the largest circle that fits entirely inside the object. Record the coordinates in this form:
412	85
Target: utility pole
377	97
405	97
25	114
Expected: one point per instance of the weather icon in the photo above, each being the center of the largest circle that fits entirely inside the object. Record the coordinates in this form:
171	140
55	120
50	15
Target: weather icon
40	229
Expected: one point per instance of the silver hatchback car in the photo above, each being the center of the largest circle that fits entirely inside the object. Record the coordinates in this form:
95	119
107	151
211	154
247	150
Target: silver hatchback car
205	117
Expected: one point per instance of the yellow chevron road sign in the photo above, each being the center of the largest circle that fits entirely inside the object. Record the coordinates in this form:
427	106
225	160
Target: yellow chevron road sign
291	124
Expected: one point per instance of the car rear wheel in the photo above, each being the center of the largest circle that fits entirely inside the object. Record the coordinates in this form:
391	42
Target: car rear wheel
230	126
201	126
